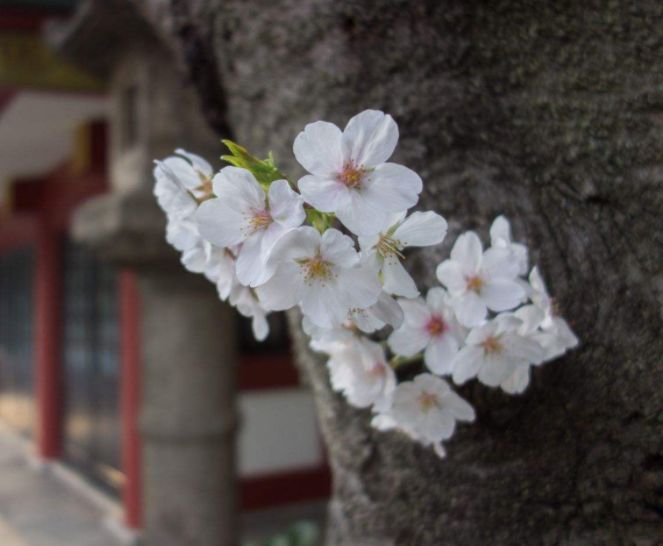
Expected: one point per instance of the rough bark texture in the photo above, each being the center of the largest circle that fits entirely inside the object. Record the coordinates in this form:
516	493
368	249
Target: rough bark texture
549	112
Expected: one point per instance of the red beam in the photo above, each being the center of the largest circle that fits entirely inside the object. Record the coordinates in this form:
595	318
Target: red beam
47	342
285	487
130	380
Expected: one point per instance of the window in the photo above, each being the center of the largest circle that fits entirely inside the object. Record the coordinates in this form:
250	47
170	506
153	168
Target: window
16	338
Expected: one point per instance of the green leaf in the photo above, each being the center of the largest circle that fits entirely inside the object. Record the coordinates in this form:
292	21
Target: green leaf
321	221
264	170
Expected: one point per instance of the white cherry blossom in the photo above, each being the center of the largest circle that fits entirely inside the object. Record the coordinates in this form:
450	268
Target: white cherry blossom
248	305
349	172
321	274
192	171
429	326
172	195
426	409
243	214
554	333
385	249
478	281
500	237
361	372
494	350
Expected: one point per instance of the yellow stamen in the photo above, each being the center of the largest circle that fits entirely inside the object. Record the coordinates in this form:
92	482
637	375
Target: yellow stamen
316	268
351	175
388	246
475	284
428	401
492	345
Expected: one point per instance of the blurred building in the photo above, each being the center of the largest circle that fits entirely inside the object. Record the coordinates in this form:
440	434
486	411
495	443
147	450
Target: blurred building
71	361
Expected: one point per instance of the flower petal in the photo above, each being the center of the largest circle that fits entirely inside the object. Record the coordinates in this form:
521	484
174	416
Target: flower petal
324	194
467	252
502	294
397	280
370	138
392	188
466	364
338	249
220	224
286	206
407	341
319	150
360	216
440	353
421	229
450	274
470	309
284	290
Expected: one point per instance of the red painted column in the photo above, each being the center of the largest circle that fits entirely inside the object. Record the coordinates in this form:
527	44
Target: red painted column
130	381
48	377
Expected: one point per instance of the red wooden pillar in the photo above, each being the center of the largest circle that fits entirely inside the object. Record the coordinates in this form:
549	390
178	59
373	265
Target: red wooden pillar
47	342
130	380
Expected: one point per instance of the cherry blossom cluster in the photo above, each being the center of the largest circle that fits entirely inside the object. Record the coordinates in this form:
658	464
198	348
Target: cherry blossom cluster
334	244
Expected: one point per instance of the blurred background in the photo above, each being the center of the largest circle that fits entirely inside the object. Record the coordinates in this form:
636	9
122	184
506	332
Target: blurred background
88	98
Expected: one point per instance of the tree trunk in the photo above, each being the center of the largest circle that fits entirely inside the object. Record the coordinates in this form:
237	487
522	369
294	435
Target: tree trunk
548	112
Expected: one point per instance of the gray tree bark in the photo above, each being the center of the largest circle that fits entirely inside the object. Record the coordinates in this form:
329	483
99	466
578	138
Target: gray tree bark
549	112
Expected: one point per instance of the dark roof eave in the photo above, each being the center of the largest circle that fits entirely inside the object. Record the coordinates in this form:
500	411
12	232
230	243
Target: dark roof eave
98	33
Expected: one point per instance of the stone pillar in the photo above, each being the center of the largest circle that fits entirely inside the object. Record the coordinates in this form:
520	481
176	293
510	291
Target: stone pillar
188	417
188	351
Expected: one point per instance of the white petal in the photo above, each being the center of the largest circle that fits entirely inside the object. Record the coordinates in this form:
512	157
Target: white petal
523	349
417	313
260	326
302	242
370	137
500	232
285	205
470	309
238	188
392	188
251	269
320	303
467	251
199	163
194	259
318	149
338	249
183	170
440	353
502	294
182	234
421	229
450	274
220	224
496	370
437	299
284	290
518	381
500	263
438	426
360	216
324	194
408	341
458	407
387	310
532	318
467	363
397	280
360	287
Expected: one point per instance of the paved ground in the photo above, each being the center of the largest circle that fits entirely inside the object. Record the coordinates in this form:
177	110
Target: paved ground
37	509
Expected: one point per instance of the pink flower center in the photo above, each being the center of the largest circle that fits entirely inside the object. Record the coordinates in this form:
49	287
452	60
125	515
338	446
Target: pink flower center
428	401
475	283
436	326
316	268
492	345
260	220
351	175
378	370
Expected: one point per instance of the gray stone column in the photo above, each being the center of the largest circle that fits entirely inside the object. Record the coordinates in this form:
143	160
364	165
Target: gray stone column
188	418
188	345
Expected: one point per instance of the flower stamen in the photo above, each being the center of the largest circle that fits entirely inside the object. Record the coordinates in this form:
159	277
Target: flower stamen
316	268
351	175
260	220
428	401
388	246
492	345
436	326
475	283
